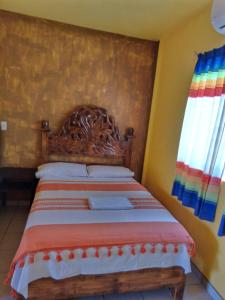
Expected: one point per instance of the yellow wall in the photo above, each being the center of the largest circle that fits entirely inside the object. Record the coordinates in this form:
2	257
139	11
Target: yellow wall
146	19
177	58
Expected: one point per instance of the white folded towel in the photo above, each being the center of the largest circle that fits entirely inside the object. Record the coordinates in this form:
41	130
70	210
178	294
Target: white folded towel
109	202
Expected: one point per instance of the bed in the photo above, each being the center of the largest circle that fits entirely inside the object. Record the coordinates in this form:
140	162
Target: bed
69	250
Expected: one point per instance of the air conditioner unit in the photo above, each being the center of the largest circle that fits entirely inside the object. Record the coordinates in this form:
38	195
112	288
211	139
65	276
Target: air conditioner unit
218	15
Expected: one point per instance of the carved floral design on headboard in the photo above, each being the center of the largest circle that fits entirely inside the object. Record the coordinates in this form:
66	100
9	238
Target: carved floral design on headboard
88	131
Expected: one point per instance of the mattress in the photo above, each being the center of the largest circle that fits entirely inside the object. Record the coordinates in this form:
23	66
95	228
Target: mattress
64	238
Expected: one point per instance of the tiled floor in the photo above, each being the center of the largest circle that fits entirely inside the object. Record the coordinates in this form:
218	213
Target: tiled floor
12	222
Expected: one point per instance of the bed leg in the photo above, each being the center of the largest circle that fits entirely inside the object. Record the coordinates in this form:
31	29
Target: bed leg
178	292
19	297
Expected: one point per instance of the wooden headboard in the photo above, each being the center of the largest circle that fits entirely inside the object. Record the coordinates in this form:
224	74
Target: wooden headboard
88	135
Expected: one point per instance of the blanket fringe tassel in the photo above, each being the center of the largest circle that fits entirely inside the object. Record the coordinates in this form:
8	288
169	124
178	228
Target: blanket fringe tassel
98	253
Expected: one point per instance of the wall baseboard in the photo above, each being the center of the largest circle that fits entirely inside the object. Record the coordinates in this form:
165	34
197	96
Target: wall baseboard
208	286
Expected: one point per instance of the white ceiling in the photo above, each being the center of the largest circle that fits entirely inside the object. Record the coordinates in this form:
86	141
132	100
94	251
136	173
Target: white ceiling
147	19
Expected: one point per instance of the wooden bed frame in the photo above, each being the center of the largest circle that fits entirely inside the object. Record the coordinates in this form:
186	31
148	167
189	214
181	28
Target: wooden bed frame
90	135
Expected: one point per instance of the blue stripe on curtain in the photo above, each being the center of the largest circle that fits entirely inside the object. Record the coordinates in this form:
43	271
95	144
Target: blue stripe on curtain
204	209
221	231
210	61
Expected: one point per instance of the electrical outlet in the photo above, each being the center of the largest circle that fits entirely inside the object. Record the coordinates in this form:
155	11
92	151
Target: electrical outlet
3	125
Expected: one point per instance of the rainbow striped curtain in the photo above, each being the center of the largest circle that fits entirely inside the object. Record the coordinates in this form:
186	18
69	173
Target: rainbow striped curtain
201	154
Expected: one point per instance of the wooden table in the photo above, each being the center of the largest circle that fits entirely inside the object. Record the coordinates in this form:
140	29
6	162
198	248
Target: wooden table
17	179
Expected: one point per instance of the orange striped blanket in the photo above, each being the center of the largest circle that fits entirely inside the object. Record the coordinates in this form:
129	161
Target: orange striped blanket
60	220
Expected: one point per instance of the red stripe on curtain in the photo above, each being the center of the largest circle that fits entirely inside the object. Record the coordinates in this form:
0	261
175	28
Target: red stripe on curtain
183	168
208	92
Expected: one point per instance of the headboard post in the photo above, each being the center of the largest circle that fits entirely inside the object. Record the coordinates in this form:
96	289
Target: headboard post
129	135
44	139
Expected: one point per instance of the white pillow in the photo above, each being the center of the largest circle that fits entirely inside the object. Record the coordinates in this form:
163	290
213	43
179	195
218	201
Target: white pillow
109	171
61	169
109	203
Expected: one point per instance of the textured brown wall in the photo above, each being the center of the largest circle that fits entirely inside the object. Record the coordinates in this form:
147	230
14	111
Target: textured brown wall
47	68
